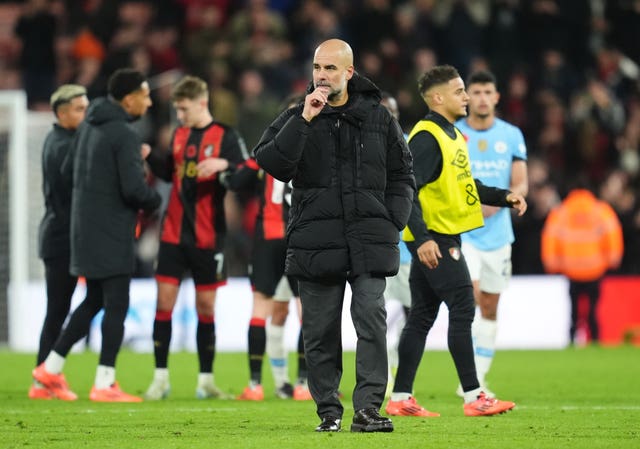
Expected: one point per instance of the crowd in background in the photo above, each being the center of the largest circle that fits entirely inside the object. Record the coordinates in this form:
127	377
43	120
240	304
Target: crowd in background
568	72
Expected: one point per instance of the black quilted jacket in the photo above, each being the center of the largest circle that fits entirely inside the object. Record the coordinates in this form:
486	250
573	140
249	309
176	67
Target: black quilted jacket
353	185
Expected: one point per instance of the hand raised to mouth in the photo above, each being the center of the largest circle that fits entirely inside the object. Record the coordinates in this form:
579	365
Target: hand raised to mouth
315	101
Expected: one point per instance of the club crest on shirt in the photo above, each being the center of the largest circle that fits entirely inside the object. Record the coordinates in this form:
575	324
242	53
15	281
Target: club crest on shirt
455	253
208	151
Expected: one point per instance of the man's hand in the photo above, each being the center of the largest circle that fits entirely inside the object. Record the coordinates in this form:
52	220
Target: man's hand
314	102
211	166
517	202
429	253
145	150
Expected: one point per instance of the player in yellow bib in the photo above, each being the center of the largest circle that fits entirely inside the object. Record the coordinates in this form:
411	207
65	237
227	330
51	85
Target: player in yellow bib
447	203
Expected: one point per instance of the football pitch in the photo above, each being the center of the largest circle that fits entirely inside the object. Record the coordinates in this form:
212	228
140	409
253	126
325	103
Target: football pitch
573	398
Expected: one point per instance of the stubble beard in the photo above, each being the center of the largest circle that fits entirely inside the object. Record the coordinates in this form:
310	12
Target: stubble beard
333	95
481	115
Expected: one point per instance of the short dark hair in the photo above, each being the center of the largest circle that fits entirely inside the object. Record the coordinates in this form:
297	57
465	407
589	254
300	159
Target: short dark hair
191	88
123	82
482	77
439	74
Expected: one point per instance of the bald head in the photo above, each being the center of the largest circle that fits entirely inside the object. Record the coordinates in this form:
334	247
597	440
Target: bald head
337	49
332	70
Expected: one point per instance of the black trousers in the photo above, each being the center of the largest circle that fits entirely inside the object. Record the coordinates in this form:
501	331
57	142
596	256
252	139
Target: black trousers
592	291
449	283
321	327
112	294
60	288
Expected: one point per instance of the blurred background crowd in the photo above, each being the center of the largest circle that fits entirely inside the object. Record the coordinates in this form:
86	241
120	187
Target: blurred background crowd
568	73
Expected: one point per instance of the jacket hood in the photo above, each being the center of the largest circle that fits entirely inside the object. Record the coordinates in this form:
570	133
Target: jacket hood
357	84
104	110
580	202
581	196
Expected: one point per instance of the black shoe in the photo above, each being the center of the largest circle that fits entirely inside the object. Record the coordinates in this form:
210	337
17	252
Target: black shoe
369	420
329	424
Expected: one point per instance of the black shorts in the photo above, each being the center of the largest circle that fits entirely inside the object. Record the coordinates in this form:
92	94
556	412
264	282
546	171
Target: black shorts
207	266
267	265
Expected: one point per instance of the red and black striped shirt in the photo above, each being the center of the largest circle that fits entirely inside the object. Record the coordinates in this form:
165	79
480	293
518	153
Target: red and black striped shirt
195	213
274	208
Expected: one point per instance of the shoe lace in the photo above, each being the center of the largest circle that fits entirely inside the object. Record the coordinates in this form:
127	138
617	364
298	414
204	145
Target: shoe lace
411	406
371	413
60	382
329	421
484	403
112	391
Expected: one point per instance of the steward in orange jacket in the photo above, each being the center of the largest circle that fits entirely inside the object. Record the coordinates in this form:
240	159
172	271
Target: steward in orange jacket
582	239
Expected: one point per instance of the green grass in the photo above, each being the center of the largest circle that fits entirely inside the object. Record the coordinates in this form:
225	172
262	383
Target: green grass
575	398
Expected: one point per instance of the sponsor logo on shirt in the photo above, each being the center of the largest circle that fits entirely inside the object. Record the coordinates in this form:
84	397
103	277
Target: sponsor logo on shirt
501	147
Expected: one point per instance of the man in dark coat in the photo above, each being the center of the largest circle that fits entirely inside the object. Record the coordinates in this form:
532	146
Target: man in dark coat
69	103
352	191
108	191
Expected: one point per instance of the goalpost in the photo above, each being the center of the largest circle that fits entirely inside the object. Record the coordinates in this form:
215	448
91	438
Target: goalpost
22	298
14	104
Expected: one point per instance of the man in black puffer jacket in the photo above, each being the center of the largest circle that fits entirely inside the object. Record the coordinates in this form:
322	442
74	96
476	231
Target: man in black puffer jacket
108	191
353	186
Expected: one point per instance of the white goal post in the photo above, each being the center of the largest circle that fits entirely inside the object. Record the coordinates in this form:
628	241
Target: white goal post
14	102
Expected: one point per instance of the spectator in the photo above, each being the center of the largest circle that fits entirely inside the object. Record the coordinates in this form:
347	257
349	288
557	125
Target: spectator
36	28
461	22
256	107
617	191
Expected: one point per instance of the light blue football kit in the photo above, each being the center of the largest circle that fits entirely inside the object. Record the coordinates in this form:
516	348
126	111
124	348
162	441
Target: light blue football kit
491	152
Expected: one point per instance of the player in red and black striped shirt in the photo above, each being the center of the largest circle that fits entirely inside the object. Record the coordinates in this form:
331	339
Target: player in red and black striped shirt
267	269
202	164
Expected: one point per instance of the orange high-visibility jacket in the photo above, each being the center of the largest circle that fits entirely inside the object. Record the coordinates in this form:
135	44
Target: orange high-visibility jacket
582	238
